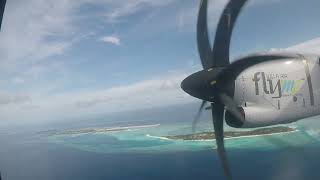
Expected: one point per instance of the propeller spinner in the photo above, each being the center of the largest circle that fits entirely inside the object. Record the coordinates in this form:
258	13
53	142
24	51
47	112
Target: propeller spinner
209	84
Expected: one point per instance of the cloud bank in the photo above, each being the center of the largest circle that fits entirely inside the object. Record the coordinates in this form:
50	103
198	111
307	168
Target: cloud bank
111	39
37	33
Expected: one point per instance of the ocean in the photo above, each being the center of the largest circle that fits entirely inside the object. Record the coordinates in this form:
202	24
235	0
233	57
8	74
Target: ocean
142	154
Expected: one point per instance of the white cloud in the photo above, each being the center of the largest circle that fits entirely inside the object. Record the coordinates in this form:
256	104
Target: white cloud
187	16
9	99
92	102
155	92
123	8
34	30
111	39
308	47
311	46
18	80
28	27
161	91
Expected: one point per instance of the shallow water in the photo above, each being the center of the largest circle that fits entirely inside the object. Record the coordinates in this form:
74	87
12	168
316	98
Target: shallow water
146	140
134	155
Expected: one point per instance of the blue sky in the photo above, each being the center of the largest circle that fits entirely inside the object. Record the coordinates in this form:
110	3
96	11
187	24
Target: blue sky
67	58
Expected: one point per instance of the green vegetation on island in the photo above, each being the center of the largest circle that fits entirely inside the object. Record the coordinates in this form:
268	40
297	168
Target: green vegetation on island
233	134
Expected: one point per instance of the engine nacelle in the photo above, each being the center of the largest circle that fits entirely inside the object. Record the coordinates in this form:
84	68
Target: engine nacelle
261	117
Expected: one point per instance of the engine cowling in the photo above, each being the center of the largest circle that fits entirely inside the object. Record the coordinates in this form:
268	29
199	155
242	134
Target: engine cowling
260	117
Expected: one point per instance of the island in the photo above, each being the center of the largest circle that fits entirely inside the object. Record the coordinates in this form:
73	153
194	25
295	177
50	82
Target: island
233	134
96	130
191	136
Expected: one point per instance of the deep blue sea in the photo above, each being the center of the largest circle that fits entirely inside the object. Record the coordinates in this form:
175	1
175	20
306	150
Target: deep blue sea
139	154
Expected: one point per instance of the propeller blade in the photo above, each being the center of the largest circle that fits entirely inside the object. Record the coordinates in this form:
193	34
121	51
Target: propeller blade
2	6
217	117
197	117
224	30
204	47
231	106
218	57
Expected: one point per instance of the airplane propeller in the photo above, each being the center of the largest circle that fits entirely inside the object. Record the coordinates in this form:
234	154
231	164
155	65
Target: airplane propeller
210	84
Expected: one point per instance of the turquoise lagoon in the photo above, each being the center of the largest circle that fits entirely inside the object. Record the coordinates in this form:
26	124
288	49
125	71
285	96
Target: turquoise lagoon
151	140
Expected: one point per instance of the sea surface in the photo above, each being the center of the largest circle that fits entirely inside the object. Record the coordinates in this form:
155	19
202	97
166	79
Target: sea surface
143	154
